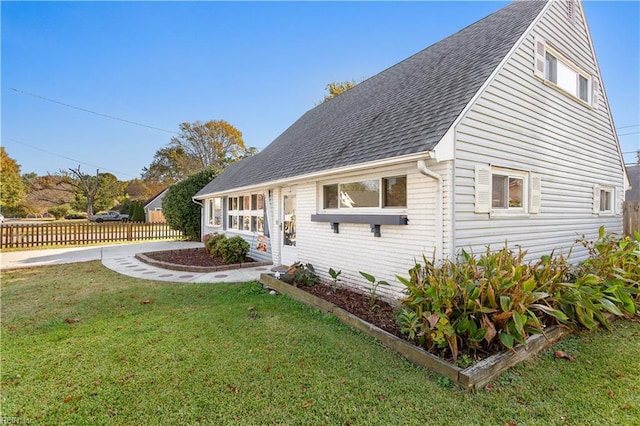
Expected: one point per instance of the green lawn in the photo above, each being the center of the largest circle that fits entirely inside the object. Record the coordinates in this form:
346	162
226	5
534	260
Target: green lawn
220	354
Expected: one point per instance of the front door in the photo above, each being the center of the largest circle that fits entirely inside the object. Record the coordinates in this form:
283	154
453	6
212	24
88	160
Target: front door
288	256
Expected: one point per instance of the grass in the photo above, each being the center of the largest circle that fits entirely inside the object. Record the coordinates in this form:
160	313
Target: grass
231	353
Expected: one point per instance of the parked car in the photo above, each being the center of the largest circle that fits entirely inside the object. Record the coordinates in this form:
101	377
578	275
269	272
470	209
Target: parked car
110	216
1	218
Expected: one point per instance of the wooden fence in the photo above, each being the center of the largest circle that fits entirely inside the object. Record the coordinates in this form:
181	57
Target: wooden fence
631	217
17	235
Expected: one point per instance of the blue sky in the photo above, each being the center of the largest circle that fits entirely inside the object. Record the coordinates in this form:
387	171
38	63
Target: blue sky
259	66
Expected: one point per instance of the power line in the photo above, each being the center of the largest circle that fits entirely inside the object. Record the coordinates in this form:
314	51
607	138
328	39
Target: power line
92	112
627	127
626	134
68	158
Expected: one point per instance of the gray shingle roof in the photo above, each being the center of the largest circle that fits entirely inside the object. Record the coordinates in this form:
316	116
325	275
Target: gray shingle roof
405	109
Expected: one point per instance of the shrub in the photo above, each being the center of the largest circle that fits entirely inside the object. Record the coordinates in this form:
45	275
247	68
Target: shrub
137	211
232	250
58	211
212	243
497	300
178	207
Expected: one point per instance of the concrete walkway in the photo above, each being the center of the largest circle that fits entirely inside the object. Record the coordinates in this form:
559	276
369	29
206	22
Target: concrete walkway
120	258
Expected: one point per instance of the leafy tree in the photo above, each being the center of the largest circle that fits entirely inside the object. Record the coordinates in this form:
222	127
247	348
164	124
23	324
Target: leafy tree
170	165
12	190
137	214
138	189
337	88
179	210
58	211
199	146
46	192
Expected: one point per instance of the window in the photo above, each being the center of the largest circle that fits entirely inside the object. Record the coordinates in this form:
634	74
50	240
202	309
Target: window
387	192
215	212
559	71
603	199
505	191
566	77
246	212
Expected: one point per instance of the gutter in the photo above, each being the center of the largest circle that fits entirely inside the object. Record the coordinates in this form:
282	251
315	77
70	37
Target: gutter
439	231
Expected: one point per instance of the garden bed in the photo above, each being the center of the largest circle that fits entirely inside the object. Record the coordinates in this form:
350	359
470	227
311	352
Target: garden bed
192	260
471	378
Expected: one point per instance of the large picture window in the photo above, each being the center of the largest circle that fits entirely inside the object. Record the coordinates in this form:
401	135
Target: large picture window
246	212
371	193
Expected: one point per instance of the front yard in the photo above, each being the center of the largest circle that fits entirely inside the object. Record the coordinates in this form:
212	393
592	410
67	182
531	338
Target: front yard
143	352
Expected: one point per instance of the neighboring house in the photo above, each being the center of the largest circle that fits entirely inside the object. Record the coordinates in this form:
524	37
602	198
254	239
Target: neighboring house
153	209
633	194
500	132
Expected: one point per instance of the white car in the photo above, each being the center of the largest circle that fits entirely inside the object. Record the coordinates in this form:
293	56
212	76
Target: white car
1	218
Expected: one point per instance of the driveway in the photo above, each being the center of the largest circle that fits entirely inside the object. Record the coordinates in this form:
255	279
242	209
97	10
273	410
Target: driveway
29	258
121	258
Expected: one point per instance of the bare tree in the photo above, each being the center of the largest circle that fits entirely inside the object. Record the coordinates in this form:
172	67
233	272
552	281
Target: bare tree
86	185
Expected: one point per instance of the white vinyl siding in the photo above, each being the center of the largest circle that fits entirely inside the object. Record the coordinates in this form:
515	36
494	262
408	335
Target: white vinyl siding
521	123
355	248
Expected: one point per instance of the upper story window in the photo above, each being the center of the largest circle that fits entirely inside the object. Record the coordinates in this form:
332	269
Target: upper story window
386	192
566	77
557	70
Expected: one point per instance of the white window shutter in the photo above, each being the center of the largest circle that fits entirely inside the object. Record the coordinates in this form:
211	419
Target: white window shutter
617	202
595	92
596	199
483	189
536	193
539	57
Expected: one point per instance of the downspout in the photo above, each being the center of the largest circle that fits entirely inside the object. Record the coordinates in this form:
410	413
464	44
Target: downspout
439	231
201	216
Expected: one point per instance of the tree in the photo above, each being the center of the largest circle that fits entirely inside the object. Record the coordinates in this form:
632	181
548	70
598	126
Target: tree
45	192
138	189
336	89
93	193
137	214
199	146
170	165
12	190
178	207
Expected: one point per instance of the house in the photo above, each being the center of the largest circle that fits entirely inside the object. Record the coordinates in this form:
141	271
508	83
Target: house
633	194
153	208
500	132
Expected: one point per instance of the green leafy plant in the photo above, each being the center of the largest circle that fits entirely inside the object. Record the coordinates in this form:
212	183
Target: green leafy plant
373	297
212	243
335	276
475	303
179	209
232	250
497	300
304	274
